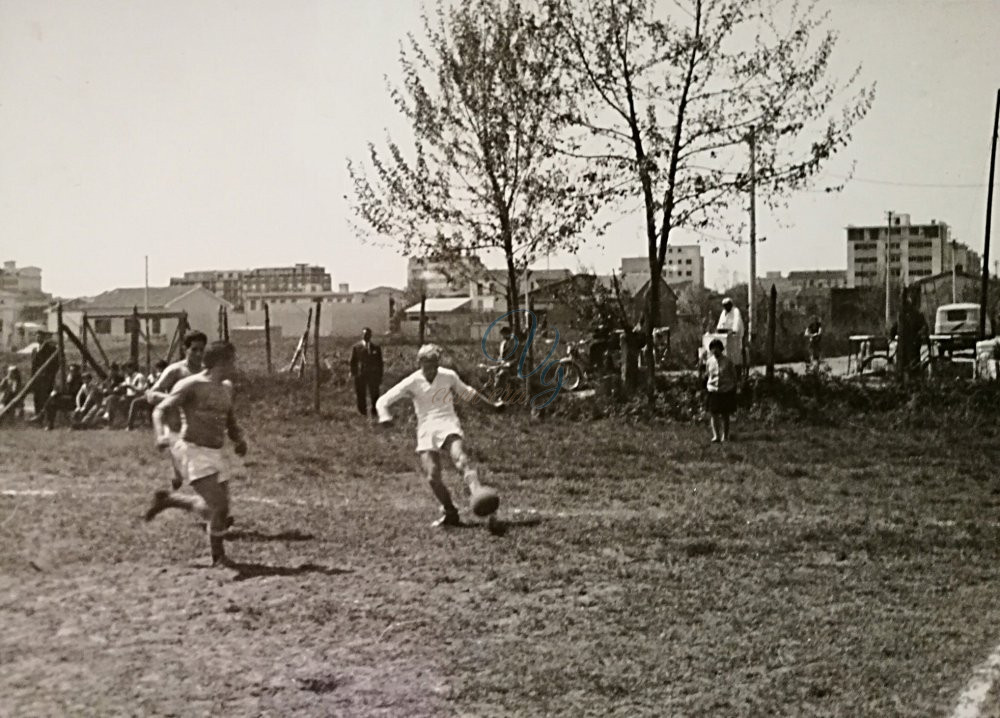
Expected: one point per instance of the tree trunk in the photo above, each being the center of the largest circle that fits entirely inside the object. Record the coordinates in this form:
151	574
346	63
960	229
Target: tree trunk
513	300
630	363
903	335
772	321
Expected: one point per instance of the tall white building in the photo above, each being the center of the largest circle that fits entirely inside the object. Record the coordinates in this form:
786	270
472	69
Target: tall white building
914	251
684	263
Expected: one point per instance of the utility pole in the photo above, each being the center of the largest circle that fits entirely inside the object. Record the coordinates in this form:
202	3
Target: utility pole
751	324
954	274
888	271
984	290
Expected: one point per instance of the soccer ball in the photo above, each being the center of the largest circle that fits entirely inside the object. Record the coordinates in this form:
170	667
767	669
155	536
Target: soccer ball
484	501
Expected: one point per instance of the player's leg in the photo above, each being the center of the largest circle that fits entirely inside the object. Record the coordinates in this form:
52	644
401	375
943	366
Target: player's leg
716	424
431	463
360	389
456	449
135	408
373	392
215	494
163	500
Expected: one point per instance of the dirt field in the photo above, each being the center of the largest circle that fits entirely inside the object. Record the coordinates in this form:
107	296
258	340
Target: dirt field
643	572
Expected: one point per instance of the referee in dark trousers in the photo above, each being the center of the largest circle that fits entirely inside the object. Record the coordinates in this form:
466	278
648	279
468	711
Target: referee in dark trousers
366	368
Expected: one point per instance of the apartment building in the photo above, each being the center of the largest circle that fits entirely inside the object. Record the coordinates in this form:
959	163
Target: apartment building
683	263
914	251
22	302
236	284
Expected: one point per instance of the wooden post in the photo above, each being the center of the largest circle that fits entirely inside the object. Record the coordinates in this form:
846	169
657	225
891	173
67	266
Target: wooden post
174	340
984	289
267	335
28	386
423	318
185	327
225	324
97	342
903	330
316	371
220	323
134	345
88	358
62	345
772	321
83	332
149	348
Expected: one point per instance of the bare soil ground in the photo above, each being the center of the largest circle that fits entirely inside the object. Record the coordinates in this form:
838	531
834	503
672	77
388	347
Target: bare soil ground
642	572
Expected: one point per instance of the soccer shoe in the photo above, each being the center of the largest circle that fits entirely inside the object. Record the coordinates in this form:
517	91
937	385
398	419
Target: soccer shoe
161	501
448	519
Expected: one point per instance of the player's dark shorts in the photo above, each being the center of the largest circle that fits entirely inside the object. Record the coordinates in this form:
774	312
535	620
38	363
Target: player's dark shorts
721	402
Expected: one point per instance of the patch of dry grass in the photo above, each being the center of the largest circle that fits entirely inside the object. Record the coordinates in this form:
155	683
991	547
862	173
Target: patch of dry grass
797	571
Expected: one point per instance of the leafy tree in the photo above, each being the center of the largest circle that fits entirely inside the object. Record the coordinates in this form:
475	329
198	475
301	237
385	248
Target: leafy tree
670	93
486	99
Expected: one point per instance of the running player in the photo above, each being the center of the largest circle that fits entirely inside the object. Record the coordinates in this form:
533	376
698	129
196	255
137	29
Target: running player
433	391
194	350
206	400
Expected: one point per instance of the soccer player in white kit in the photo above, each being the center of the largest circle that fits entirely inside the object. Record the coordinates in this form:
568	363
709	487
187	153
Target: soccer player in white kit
433	391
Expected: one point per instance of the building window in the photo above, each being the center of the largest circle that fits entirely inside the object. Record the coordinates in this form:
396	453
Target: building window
154	326
102	326
932	231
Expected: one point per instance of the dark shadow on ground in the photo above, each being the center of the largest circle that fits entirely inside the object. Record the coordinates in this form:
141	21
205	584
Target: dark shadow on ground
251	535
245	571
500	527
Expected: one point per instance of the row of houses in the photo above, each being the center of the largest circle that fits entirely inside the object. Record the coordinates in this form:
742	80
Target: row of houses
343	313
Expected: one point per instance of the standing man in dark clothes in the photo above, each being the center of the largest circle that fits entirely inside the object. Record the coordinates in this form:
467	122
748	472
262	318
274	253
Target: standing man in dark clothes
43	386
366	368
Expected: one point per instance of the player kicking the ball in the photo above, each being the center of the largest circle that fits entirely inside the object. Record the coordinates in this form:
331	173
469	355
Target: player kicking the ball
206	403
433	391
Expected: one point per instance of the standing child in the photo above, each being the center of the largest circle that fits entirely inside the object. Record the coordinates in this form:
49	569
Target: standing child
206	403
721	385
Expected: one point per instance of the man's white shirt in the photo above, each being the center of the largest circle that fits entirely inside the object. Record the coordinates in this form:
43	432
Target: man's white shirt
433	402
731	321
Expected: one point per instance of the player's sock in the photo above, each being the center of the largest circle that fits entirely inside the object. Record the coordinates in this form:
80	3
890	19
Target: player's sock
443	496
471	477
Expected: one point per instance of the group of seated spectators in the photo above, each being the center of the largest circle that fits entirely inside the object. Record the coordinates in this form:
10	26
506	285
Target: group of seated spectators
91	402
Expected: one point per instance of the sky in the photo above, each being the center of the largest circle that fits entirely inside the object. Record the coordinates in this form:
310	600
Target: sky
214	134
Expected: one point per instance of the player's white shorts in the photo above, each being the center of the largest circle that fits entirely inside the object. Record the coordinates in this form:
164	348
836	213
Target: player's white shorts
431	437
197	462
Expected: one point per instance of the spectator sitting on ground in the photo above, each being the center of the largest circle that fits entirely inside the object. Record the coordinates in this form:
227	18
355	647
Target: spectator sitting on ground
140	406
10	387
88	401
63	397
116	392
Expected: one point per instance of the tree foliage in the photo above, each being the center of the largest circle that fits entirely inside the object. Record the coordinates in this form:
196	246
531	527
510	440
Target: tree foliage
485	98
670	92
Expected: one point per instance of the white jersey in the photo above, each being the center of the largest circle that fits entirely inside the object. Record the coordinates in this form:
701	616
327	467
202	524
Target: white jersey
434	403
